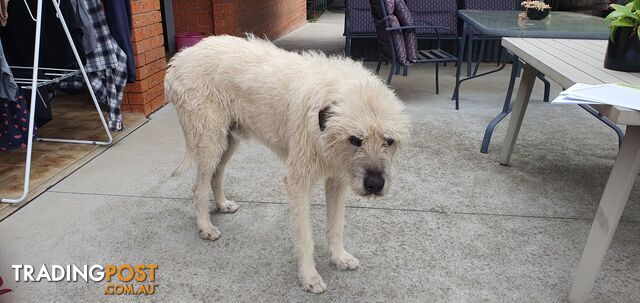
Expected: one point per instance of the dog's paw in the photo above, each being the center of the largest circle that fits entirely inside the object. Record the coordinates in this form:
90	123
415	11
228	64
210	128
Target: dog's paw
228	206
345	261
312	282
210	233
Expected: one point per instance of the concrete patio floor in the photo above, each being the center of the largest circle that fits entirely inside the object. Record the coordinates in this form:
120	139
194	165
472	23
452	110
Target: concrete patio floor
455	227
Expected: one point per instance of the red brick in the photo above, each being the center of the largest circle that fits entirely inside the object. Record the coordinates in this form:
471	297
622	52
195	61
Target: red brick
145	32
146	84
272	18
158	102
143	6
149	56
150	69
147	44
144	19
146	96
133	108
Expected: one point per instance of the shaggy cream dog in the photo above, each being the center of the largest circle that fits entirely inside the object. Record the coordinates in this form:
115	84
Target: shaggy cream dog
330	119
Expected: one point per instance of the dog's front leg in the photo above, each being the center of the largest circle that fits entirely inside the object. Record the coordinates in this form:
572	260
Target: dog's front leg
299	190
335	192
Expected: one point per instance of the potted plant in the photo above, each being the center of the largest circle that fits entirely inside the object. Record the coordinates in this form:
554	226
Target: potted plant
536	10
623	51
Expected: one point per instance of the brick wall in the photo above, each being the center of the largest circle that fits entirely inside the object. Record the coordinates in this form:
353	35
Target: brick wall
272	18
193	16
146	94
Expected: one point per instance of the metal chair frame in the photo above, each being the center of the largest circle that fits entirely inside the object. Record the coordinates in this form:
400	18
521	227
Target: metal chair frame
436	55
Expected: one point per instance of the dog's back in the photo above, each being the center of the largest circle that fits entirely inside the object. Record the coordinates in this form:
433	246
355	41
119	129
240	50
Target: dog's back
250	83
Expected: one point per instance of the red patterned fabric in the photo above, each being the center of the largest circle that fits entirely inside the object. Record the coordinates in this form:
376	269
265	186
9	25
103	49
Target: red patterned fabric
14	125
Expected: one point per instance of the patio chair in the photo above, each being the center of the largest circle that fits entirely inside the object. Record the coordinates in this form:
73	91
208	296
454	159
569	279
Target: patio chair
391	35
436	13
358	22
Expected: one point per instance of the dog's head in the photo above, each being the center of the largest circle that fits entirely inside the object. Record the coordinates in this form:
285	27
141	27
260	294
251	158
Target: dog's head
361	130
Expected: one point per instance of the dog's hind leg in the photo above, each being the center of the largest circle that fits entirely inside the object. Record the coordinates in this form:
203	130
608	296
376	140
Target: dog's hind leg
335	192
221	203
208	155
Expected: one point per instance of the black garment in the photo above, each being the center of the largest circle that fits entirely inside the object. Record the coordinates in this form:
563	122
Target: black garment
45	96
118	14
18	42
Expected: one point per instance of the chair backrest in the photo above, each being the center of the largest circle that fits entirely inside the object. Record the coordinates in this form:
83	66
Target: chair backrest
358	19
490	5
398	45
435	12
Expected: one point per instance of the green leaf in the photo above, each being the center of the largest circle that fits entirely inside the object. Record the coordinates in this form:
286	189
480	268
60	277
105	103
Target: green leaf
637	6
619	7
612	33
623	23
620	23
629	6
614	15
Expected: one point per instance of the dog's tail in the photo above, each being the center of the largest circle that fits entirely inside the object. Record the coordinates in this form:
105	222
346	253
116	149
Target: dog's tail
184	165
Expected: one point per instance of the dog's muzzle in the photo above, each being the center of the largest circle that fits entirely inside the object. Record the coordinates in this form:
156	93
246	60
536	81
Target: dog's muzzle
373	182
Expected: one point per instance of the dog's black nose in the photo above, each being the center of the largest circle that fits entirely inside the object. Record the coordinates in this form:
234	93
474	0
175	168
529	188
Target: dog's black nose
373	182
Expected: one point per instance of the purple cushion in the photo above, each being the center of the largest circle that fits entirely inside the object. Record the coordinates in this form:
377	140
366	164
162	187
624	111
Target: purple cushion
404	41
410	41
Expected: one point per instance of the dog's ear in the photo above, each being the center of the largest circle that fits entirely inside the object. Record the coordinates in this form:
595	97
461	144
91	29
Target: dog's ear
323	116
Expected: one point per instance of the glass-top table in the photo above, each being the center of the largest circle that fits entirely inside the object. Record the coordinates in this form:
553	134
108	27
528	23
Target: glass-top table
502	24
559	25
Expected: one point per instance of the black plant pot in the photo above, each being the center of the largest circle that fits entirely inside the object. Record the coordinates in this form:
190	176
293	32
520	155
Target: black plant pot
623	53
535	14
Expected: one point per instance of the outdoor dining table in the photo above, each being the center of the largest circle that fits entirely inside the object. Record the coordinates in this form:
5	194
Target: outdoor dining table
500	24
568	62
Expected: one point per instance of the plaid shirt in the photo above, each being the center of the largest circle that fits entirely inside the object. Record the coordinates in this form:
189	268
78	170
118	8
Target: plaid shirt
106	67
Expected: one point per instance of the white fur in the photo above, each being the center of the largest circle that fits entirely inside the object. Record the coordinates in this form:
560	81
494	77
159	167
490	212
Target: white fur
226	88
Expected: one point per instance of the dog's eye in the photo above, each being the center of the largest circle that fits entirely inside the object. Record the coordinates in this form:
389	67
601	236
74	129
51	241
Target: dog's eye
355	141
389	141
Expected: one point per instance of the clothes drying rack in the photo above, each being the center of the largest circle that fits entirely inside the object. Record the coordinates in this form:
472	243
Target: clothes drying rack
50	76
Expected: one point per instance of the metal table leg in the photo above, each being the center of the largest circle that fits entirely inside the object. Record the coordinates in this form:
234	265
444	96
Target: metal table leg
465	32
483	43
469	51
547	86
606	121
506	108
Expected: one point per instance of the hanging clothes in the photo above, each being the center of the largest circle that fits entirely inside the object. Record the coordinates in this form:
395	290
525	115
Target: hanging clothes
4	14
83	20
17	35
14	126
118	14
106	67
8	86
